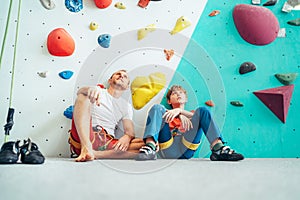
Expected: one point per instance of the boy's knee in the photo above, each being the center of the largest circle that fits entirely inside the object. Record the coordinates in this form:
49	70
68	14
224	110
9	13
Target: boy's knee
158	107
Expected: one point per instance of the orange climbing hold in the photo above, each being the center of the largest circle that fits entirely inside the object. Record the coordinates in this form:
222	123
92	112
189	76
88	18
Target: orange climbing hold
169	53
60	43
102	3
214	13
210	103
143	3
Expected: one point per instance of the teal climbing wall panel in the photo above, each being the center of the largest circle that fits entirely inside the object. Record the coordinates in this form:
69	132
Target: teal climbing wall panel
252	129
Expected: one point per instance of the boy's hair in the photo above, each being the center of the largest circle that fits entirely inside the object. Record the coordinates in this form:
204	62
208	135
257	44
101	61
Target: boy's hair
174	88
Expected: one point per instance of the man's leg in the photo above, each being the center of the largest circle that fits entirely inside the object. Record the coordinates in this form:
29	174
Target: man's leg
82	116
132	151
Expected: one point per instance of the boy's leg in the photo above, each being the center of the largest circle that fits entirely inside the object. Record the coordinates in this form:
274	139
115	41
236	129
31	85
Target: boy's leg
153	126
202	120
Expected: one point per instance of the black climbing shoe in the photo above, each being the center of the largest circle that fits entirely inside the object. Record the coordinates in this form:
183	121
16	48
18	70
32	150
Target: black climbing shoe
30	153
9	153
146	153
225	154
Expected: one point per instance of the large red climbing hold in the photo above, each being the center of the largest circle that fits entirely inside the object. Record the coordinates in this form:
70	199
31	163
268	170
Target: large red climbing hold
60	43
255	24
102	3
277	100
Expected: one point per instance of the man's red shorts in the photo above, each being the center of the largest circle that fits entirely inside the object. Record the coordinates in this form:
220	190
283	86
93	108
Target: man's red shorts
98	137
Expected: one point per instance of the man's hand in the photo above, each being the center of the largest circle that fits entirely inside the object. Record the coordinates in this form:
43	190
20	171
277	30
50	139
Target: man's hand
93	94
123	143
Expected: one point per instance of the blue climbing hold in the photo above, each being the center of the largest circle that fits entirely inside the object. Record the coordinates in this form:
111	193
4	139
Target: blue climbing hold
74	5
68	113
104	40
66	74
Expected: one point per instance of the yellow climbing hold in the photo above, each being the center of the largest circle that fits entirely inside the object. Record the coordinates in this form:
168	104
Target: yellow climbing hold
144	31
181	24
93	26
120	5
144	88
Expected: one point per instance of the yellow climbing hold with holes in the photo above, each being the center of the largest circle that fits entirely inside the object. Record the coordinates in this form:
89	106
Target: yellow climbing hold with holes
144	88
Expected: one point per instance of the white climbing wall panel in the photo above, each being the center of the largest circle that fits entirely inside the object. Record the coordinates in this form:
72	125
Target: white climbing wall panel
39	102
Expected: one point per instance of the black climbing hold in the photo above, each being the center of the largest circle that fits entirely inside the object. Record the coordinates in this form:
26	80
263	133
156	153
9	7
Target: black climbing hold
247	67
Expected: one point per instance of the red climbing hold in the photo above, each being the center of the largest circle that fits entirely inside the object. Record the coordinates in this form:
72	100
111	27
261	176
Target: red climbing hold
277	100
255	24
102	3
60	43
143	3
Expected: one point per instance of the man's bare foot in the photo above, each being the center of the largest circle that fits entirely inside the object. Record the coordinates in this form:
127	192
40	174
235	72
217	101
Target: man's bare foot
85	155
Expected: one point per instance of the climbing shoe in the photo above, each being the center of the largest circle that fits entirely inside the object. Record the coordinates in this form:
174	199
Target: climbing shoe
30	153
9	153
146	153
225	154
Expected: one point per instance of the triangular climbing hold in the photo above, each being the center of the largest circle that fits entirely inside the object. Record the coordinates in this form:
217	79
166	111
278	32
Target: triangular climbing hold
277	100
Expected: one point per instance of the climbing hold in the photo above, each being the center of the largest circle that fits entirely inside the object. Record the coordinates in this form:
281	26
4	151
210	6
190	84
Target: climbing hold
60	43
93	26
66	74
295	22
68	113
43	74
181	24
214	13
281	33
144	88
74	5
104	40
120	5
255	2
259	29
270	3
236	103
210	103
102	3
277	100
144	3
48	4
286	79
169	54
246	67
144	31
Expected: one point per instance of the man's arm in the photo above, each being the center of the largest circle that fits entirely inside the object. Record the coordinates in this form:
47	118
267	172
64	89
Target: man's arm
93	93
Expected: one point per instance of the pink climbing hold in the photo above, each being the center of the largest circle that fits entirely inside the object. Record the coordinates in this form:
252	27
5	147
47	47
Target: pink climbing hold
60	43
277	100
255	24
102	3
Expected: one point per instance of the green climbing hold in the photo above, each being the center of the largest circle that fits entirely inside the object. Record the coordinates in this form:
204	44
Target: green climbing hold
295	22
236	103
286	79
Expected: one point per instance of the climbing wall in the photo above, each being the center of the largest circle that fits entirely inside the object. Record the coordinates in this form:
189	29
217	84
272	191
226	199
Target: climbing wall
40	102
207	58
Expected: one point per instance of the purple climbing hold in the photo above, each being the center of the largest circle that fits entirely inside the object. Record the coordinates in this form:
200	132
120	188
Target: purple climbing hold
104	40
255	24
66	74
246	67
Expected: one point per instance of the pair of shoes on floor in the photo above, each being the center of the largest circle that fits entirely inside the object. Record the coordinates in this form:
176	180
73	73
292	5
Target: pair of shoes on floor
30	154
225	154
146	153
